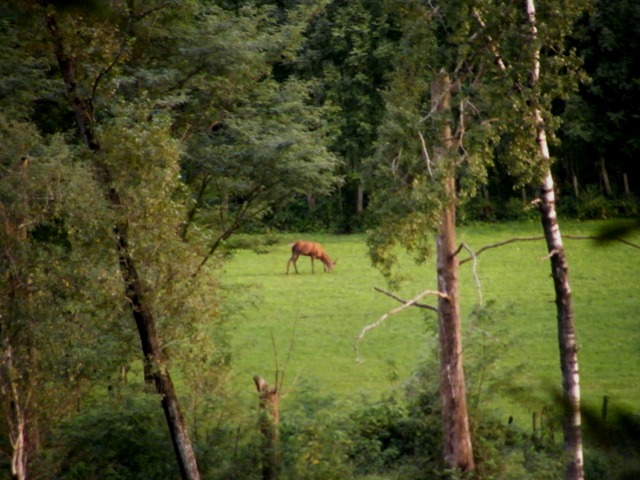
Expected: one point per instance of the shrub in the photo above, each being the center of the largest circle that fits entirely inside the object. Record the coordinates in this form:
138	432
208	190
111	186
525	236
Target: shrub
516	209
119	439
593	205
314	437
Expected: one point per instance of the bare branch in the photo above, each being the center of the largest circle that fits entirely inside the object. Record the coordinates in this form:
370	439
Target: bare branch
289	352
553	252
591	237
275	357
475	271
526	239
405	305
500	244
394	163
105	71
492	45
435	107
425	153
460	130
195	207
141	15
395	297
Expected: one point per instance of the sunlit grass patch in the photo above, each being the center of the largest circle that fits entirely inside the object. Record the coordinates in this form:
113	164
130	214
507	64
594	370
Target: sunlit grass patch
307	324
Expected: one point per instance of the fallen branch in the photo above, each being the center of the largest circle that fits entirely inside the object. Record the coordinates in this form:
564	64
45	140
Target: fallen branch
376	324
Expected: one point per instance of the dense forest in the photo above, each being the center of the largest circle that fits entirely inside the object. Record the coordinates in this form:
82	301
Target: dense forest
137	137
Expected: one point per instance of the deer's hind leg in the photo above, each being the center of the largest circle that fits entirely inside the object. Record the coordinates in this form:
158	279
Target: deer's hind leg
294	259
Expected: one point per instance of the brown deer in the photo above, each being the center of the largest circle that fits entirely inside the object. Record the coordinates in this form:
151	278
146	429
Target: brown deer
309	249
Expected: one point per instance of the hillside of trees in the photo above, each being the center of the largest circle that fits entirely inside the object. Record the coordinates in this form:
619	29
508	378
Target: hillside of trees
137	137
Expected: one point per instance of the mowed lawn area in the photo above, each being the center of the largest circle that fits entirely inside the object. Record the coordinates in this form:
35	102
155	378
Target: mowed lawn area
307	324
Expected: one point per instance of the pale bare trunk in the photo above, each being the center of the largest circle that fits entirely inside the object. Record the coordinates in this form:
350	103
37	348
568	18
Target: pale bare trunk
360	199
269	428
605	177
625	183
566	334
576	186
16	419
458	452
311	201
574	467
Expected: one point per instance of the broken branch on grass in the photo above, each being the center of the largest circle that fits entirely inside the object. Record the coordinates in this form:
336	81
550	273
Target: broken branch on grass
408	304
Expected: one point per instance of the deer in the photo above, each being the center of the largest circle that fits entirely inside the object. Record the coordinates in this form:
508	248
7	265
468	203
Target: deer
309	249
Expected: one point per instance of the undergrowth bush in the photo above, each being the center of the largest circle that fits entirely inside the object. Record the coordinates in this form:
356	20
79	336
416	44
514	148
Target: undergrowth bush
592	204
121	439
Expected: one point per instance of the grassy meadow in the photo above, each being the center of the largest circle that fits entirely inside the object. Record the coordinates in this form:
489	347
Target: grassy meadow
307	324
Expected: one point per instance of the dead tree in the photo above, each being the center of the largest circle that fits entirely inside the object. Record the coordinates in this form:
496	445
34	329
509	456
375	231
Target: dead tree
268	424
458	452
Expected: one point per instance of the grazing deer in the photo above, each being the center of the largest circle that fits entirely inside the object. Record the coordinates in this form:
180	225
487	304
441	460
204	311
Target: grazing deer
309	249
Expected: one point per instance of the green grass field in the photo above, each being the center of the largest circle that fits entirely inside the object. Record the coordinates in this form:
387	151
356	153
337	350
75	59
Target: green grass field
307	324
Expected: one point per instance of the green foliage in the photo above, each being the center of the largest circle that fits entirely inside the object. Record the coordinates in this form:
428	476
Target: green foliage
116	439
63	307
215	115
254	140
599	121
63	334
382	436
298	216
612	444
347	52
506	452
314	444
490	116
592	204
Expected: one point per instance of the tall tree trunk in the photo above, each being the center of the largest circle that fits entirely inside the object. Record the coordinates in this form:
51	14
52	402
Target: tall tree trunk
566	333
458	452
605	177
16	415
574	468
360	198
625	184
155	367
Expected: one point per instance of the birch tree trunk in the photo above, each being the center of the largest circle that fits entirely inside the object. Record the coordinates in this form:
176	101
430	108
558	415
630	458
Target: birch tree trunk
458	452
605	177
154	363
16	417
574	469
